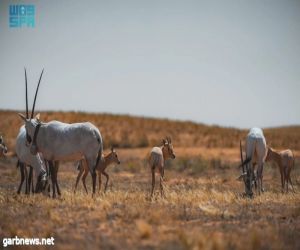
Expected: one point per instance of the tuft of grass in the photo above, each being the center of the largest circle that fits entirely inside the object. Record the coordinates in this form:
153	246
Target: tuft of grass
144	229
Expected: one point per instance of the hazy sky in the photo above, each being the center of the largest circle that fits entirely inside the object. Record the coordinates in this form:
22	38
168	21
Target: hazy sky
233	63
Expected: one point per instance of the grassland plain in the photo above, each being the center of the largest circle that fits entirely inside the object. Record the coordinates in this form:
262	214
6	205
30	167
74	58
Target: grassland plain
204	208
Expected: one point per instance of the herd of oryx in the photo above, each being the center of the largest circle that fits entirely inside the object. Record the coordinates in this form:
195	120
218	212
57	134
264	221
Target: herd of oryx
40	146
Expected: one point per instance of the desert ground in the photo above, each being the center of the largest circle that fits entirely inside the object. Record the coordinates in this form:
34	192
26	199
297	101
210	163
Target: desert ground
204	207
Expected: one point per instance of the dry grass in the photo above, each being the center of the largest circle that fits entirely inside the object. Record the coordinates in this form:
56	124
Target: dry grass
203	209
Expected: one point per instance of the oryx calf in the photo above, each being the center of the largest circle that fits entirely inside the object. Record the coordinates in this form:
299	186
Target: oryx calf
110	158
158	156
3	148
256	149
285	160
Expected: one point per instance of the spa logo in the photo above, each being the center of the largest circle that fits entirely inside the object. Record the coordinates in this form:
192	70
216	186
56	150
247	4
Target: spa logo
21	16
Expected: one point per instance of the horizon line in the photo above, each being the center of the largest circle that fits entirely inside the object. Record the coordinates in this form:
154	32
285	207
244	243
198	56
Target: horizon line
149	117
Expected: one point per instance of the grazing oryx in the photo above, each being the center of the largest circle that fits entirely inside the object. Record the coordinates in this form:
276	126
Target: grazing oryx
158	156
62	141
256	150
3	148
285	160
33	161
110	158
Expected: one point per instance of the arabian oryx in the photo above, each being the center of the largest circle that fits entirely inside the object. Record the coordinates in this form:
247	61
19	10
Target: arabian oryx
26	158
3	148
36	162
62	141
256	150
286	161
158	156
110	158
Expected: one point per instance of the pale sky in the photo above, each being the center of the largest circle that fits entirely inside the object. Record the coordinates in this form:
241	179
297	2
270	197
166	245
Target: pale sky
231	63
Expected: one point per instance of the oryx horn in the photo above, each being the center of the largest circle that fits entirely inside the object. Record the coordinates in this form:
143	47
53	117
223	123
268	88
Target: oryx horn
37	89
27	116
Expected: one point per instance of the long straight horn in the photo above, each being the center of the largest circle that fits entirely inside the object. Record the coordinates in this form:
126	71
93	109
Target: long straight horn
27	115
37	89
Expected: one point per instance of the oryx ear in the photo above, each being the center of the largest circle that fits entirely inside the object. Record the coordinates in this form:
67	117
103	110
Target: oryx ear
37	117
22	117
164	141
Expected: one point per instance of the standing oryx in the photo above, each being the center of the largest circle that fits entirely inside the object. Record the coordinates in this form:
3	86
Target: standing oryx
3	148
285	161
157	158
25	158
256	150
61	141
108	159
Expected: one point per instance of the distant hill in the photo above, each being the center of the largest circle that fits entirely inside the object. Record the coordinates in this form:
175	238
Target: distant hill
130	131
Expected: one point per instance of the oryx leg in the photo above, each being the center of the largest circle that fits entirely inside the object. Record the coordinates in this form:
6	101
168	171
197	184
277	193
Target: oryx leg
262	179
21	166
254	176
26	179
100	182
81	170
83	179
153	180
282	177
107	178
248	179
92	167
48	189
56	167
259	177
162	173
288	180
52	172
261	150
30	180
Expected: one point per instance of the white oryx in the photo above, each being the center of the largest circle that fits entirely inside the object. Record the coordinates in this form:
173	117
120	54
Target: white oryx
158	156
62	141
25	158
3	148
256	150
